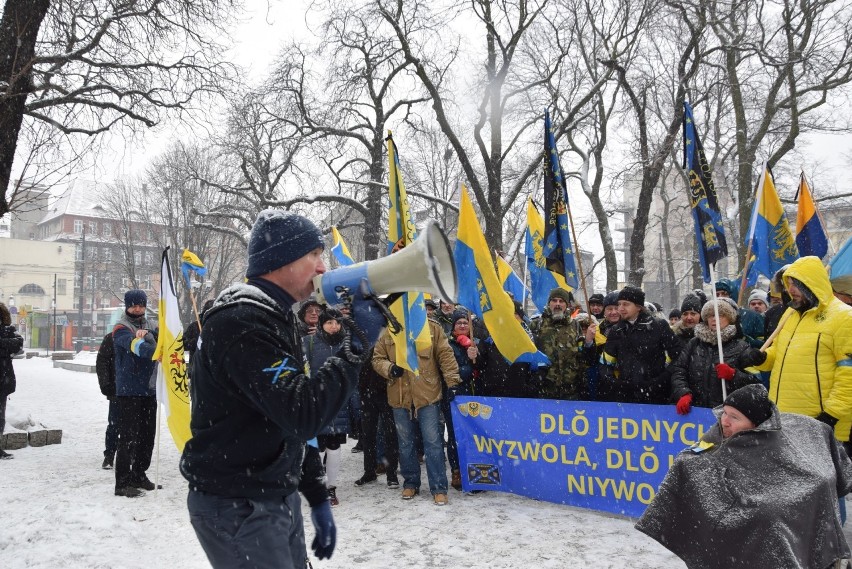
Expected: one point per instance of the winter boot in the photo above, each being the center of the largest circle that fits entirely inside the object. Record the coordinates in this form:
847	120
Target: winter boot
146	484
332	496
109	462
366	479
393	481
129	492
456	480
5	455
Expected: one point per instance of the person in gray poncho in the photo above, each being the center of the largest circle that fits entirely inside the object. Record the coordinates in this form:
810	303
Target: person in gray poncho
759	490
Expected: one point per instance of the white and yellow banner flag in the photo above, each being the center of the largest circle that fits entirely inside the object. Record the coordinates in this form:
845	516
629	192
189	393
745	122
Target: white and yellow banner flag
172	381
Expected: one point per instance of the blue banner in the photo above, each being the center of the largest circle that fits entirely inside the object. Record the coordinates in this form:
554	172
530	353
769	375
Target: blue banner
602	456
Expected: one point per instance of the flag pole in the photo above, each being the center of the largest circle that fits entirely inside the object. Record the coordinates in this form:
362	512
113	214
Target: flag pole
577	253
752	222
718	328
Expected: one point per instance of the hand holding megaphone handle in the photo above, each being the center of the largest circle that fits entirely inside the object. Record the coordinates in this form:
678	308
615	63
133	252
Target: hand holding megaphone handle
345	297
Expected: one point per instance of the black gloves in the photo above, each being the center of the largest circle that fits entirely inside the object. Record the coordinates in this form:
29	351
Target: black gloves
396	371
827	419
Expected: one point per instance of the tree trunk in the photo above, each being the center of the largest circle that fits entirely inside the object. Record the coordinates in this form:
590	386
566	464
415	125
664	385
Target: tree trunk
18	33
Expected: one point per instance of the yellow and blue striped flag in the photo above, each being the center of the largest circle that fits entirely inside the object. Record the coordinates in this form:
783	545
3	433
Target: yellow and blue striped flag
340	250
480	291
810	234
410	308
542	281
769	232
190	263
511	282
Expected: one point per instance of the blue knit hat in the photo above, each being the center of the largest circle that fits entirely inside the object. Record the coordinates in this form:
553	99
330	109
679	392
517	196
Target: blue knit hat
278	238
134	297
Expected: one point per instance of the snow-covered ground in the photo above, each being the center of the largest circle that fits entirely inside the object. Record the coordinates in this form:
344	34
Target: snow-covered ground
57	507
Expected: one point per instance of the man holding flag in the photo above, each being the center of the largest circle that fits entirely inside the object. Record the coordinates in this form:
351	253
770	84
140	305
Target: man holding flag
135	340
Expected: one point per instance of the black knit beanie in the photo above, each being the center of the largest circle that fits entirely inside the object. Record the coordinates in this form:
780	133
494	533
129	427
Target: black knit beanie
135	297
278	238
330	314
691	303
752	401
632	294
596	298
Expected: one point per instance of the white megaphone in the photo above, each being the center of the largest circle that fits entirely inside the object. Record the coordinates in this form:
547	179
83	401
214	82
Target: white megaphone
427	265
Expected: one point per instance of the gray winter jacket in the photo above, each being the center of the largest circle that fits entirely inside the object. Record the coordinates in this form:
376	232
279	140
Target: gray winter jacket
762	499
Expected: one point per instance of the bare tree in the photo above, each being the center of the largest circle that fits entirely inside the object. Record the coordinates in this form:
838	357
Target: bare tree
783	60
643	94
87	66
348	108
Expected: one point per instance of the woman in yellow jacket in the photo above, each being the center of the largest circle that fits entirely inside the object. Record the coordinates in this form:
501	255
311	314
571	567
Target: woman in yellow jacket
811	359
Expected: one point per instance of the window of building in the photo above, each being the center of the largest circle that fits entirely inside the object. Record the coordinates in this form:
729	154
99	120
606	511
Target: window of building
93	253
150	233
78	226
90	281
93	228
107	229
31	289
107	254
78	252
137	258
149	258
62	287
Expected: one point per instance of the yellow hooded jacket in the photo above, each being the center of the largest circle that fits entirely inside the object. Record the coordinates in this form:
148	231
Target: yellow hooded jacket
811	358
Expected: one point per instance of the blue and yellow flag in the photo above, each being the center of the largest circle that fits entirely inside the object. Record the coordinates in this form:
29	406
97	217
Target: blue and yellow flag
480	291
840	269
410	308
706	215
542	281
340	250
190	263
810	234
172	381
769	232
558	249
511	282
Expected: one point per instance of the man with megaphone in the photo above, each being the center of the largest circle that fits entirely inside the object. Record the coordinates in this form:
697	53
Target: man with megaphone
253	406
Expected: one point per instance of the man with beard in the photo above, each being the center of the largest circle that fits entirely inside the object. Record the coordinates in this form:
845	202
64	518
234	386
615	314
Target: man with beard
135	341
811	358
558	337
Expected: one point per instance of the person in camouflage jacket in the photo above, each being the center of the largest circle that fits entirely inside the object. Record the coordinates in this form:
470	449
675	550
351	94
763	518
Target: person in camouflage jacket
558	337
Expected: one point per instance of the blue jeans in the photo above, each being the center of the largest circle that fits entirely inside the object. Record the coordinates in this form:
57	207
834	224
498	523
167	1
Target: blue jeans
240	532
428	422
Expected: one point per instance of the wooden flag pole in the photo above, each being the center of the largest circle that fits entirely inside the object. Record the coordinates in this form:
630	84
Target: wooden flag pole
577	254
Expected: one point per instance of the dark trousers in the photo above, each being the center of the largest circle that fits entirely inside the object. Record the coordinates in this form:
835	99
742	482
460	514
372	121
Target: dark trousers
452	446
239	532
111	437
137	426
371	412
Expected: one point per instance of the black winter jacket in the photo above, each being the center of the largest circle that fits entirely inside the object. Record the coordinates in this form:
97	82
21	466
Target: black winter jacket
253	407
10	344
105	366
633	364
695	369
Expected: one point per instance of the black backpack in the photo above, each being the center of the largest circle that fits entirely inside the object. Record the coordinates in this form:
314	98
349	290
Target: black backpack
105	366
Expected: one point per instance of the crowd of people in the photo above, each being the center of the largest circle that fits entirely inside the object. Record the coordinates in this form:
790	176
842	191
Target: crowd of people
277	387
